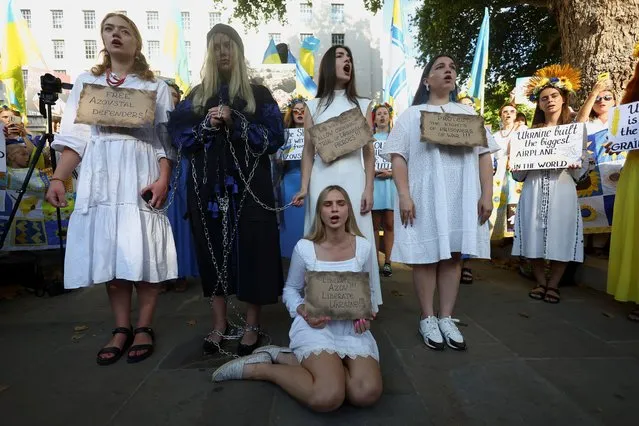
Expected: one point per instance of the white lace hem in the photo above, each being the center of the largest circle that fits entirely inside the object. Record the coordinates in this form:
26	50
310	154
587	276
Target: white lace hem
303	354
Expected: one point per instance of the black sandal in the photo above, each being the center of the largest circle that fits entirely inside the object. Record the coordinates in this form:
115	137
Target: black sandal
148	347
466	276
549	297
538	293
244	350
117	352
210	347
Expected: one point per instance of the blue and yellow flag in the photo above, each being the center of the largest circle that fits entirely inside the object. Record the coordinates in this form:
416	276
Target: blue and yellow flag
310	45
175	50
305	85
396	92
271	56
17	49
477	82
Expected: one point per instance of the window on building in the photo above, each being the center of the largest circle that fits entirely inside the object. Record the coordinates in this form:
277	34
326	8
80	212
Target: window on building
25	75
306	12
337	13
214	18
26	15
57	18
187	47
90	49
89	19
337	39
186	20
153	49
58	49
277	37
153	20
304	36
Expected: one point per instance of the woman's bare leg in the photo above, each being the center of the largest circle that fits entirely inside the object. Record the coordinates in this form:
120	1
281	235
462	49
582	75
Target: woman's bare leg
448	277
363	381
319	382
425	282
119	292
389	234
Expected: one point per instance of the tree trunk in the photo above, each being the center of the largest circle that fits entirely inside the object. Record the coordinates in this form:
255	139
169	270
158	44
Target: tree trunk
598	36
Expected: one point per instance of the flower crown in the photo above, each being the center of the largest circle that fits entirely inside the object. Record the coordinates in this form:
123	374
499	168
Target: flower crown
635	50
384	105
562	77
295	100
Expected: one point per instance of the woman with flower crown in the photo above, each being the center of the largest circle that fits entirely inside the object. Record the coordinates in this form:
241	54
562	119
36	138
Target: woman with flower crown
548	224
292	223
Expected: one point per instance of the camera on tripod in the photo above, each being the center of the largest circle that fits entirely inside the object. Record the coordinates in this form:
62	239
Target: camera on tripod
51	86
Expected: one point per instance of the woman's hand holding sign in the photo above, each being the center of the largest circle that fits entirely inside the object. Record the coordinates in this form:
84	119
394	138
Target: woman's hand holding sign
313	322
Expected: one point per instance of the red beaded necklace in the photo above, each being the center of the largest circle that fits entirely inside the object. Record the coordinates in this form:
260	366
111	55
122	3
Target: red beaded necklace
112	80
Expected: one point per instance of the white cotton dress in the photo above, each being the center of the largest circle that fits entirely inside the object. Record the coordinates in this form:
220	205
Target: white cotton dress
337	337
444	185
112	233
347	172
548	223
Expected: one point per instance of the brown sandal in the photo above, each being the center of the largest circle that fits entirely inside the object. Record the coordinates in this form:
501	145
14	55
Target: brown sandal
552	295
538	293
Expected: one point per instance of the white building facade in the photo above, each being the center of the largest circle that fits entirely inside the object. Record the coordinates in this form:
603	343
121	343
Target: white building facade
67	32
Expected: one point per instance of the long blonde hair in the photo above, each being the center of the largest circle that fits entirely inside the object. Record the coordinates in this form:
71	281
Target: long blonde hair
318	229
140	65
239	85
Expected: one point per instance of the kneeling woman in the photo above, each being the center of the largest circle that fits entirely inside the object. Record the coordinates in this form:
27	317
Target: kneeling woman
331	361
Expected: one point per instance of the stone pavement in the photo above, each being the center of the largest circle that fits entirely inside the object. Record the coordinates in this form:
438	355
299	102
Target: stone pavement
528	363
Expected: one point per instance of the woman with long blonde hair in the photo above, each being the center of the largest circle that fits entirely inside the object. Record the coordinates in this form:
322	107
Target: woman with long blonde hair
116	233
329	361
230	192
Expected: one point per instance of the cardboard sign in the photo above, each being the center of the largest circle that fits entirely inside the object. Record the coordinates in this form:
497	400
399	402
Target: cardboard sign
547	148
453	129
380	163
116	107
341	135
294	145
338	295
623	123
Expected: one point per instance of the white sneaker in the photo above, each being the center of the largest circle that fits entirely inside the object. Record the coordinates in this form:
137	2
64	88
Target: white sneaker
234	369
429	329
451	333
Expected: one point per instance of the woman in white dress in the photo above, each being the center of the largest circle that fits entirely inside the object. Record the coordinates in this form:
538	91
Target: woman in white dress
548	224
445	200
328	361
355	171
115	236
505	189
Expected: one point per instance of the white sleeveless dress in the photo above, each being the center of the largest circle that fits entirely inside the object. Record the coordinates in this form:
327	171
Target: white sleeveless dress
347	172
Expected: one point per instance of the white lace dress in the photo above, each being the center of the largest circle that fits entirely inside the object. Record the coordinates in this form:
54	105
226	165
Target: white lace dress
338	336
347	172
112	233
444	185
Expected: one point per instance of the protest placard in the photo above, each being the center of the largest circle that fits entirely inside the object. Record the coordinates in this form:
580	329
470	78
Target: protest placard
341	135
623	123
116	106
338	295
453	129
544	148
380	163
294	145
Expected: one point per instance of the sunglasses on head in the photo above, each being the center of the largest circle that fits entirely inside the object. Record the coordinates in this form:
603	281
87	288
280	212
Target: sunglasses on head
607	98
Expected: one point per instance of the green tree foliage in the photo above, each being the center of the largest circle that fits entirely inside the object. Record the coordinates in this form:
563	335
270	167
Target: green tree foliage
523	38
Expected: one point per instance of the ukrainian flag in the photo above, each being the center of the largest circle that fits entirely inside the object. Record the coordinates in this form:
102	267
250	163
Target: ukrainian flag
305	85
175	50
396	92
477	81
310	45
17	49
271	56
